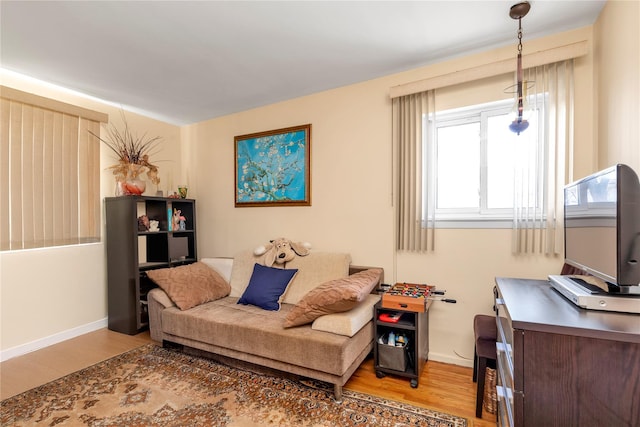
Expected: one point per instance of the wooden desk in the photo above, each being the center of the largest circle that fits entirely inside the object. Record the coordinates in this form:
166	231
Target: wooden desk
560	365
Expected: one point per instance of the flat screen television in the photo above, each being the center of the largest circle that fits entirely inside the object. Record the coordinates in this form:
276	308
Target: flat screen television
602	227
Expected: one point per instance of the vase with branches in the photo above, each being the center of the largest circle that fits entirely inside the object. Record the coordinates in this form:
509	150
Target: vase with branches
133	153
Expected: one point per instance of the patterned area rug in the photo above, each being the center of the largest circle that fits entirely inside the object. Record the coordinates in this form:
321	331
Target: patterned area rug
153	386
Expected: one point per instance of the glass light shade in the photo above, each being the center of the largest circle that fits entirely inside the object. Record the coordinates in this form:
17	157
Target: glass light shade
522	106
519	125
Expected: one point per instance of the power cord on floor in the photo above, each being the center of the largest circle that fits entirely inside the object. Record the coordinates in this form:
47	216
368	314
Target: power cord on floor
461	356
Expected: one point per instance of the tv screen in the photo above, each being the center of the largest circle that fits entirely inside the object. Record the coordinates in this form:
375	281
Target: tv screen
602	225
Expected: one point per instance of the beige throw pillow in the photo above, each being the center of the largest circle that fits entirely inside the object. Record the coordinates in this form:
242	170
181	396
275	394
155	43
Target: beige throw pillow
190	285
334	296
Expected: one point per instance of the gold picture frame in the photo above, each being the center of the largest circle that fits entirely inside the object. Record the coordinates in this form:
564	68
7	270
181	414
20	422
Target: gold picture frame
273	168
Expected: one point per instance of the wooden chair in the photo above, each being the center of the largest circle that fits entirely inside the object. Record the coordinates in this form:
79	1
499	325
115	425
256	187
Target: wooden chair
485	331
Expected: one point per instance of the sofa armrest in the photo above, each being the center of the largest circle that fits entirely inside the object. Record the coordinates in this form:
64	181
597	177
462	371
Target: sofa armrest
157	300
347	323
222	265
161	297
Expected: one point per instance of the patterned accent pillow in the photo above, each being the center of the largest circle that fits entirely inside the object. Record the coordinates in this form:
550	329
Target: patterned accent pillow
334	296
190	285
266	286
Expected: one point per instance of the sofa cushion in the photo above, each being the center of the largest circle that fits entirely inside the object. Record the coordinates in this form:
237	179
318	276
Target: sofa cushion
266	286
347	323
241	271
334	296
190	285
313	270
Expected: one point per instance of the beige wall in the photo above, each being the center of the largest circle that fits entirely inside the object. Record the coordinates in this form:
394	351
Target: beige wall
617	51
48	295
352	206
352	209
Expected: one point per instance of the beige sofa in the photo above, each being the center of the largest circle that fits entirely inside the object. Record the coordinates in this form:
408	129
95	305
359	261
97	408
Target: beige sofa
329	349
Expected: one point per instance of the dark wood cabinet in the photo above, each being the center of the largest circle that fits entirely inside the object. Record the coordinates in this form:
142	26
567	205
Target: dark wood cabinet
561	365
131	252
407	361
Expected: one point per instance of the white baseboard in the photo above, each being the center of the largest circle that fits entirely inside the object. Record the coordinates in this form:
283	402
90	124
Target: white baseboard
52	339
438	357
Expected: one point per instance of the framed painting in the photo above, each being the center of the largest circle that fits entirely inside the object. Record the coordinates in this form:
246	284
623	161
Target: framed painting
273	168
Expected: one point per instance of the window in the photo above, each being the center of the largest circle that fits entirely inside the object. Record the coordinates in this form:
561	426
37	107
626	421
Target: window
50	172
539	165
473	165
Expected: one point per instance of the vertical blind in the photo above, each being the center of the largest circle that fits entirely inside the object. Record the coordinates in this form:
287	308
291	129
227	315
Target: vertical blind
539	229
50	172
410	115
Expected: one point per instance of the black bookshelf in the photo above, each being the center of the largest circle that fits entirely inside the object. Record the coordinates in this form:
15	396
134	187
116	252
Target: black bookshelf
131	252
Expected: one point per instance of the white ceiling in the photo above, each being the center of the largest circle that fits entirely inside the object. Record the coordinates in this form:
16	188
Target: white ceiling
188	61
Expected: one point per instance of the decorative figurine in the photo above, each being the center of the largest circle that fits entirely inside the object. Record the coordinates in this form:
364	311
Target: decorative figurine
176	219
154	225
143	223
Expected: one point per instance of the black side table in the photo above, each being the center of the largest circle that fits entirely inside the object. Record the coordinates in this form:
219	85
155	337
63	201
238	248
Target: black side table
408	360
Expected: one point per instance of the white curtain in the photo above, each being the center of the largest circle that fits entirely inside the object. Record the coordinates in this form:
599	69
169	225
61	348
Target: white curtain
411	113
538	208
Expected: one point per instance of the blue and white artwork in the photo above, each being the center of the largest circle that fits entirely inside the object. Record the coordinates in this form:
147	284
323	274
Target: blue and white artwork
273	168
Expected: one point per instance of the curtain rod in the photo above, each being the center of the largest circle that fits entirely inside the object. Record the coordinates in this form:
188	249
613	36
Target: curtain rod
12	94
542	57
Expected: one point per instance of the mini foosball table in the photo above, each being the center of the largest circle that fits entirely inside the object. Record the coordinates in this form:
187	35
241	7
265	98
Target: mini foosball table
412	297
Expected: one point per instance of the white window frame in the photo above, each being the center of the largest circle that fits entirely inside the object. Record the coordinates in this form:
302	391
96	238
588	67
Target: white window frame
481	217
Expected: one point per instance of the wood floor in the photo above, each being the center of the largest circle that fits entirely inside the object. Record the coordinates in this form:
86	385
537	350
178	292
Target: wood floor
443	387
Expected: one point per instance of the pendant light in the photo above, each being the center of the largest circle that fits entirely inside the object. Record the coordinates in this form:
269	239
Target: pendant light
520	123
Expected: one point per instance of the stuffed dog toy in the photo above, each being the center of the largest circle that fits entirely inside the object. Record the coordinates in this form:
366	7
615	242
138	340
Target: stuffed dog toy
281	251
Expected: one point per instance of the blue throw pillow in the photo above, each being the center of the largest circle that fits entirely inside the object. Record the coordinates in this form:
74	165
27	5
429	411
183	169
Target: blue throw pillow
266	286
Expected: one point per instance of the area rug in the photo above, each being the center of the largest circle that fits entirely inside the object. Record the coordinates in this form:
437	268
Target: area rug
153	386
